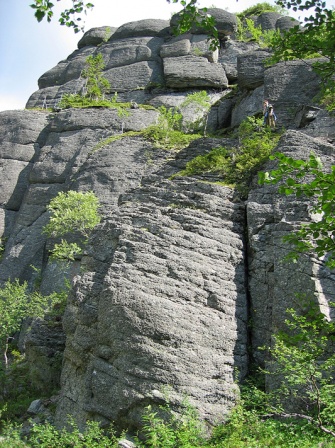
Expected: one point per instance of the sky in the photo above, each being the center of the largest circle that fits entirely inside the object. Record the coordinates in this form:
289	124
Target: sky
28	49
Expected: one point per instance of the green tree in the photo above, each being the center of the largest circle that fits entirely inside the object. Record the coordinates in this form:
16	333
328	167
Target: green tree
71	212
308	179
303	361
16	304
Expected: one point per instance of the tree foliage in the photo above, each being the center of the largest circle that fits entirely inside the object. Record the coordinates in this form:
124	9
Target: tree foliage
237	165
69	17
316	38
16	304
97	85
71	212
303	361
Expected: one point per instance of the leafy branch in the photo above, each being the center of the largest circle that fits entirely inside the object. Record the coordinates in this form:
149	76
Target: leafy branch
69	17
307	179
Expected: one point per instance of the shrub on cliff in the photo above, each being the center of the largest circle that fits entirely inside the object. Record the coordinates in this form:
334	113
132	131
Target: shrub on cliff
71	212
239	164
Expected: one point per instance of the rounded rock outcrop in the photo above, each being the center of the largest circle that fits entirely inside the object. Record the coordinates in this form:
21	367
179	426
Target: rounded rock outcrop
142	28
96	36
225	22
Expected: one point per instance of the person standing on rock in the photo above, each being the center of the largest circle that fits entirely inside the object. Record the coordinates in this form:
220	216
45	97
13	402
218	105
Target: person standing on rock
269	115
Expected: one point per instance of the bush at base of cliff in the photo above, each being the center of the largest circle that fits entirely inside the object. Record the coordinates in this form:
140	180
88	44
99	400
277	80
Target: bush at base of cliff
16	390
244	429
47	436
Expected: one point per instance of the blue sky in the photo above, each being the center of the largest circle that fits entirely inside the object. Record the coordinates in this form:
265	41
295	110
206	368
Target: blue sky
28	48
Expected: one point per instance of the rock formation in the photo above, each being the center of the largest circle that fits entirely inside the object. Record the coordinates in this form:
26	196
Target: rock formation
178	267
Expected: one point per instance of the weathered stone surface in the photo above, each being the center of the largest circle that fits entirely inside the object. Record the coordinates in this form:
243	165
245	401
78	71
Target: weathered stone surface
249	105
25	246
176	46
69	153
135	76
228	56
106	119
250	68
285	23
161	296
200	118
44	345
66	70
268	20
20	139
54	76
200	46
289	86
96	36
45	98
323	127
192	71
225	22
129	51
273	283
188	44
225	112
142	28
162	231
306	115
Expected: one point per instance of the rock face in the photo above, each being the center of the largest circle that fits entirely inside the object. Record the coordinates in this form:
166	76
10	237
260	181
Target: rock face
164	304
275	285
163	297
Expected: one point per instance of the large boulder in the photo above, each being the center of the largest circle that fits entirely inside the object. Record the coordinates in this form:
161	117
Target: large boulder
135	76
193	71
189	44
228	54
21	136
96	36
251	68
268	20
128	51
67	70
289	86
69	140
322	126
285	23
248	105
161	303
142	28
225	22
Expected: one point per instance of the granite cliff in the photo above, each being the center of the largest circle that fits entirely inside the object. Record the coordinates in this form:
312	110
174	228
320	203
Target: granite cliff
179	266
